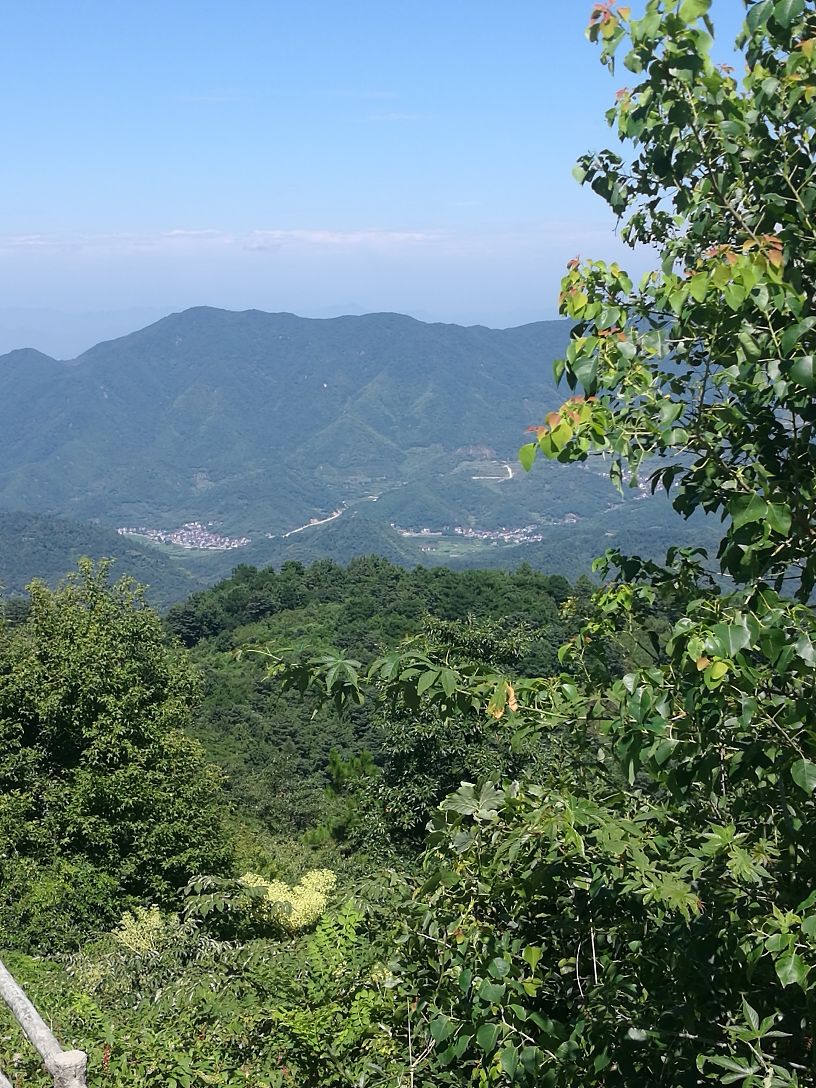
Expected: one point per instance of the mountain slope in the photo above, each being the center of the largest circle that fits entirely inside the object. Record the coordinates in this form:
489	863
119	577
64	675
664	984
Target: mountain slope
259	421
40	546
309	438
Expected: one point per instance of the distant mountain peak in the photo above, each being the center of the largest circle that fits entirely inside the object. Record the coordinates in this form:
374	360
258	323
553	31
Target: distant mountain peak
21	356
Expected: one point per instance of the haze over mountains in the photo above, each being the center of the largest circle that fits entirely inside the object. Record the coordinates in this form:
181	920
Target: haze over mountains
258	421
64	334
292	436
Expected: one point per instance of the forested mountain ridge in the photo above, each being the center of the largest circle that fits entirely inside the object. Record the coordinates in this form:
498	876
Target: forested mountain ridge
296	438
259	421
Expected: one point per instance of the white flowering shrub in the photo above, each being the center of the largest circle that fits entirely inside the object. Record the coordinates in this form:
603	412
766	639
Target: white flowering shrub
293	907
145	931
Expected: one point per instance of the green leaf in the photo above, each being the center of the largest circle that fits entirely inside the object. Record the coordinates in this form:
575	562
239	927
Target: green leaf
486	1037
792	335
546	447
803	372
698	286
531	955
427	680
728	639
498	967
803	773
491	991
785	11
677	298
791	969
509	1060
447	678
670	412
734	294
758	15
462	1043
691	10
483	806
750	1014
560	435
676	436
586	371
739	1066
779	518
527	455
441	1028
747	508
627	349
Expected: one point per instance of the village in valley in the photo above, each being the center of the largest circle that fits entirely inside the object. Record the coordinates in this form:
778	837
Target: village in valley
527	534
192	535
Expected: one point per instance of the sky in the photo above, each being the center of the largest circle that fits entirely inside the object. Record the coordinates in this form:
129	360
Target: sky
315	156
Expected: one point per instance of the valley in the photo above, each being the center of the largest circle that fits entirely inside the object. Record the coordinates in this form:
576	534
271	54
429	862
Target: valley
212	438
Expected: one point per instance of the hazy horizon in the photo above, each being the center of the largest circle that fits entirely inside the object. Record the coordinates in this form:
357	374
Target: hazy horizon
64	335
313	160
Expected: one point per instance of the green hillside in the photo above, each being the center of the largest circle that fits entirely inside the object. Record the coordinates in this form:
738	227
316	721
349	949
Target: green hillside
40	546
260	421
263	426
47	547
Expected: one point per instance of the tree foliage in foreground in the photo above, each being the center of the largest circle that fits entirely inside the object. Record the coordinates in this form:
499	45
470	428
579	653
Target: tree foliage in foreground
103	798
692	895
709	362
658	924
160	1003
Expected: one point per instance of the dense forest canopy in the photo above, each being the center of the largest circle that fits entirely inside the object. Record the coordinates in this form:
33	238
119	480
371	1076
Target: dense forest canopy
105	799
482	828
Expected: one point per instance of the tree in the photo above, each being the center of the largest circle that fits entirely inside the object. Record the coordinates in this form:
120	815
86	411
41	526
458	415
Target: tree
666	932
103	798
709	364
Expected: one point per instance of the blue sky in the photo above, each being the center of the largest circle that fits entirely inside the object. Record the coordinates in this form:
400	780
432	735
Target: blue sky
317	157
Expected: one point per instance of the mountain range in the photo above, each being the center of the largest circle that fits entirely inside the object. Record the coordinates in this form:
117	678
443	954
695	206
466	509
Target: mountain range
285	437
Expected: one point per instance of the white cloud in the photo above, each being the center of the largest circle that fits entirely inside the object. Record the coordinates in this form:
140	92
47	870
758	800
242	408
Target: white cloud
202	235
183	238
33	241
274	239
